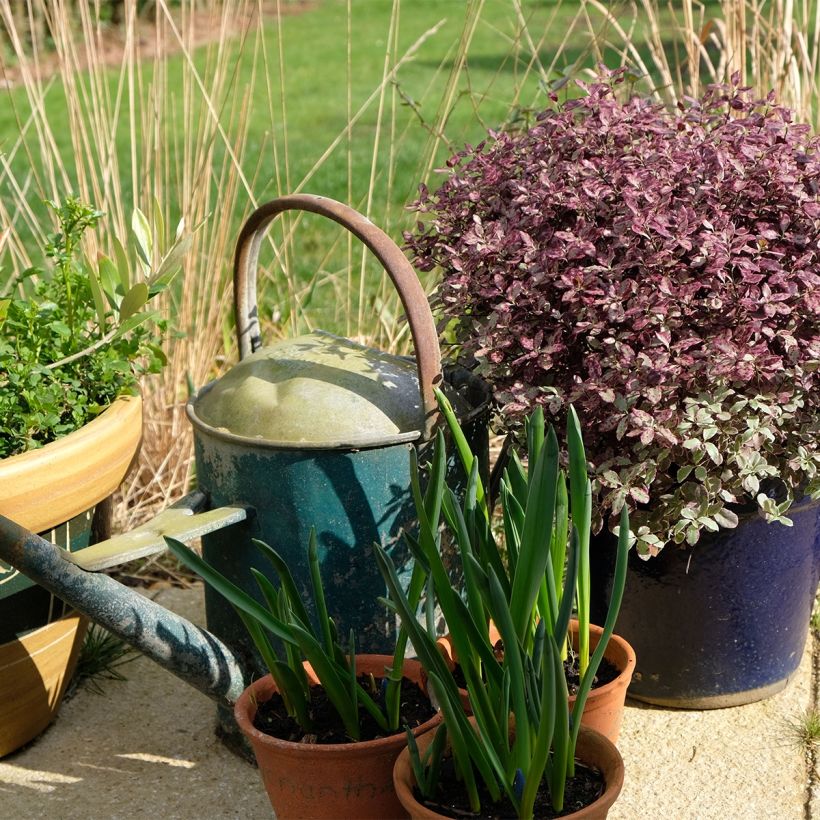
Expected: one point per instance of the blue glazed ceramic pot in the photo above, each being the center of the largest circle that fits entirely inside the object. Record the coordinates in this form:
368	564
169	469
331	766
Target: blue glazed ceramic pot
722	623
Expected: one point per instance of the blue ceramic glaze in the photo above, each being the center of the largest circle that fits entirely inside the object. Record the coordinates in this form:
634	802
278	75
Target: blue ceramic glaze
721	623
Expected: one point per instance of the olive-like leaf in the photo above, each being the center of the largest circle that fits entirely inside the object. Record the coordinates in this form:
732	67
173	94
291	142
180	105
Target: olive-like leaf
141	231
123	265
133	301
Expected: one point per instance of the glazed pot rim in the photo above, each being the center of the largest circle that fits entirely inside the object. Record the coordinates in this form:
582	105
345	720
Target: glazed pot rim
243	716
124	406
75	471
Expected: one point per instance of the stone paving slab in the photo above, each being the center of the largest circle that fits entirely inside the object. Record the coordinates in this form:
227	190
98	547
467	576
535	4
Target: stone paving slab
146	749
740	763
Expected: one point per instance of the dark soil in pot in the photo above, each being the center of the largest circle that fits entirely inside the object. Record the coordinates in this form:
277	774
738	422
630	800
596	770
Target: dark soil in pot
607	672
451	798
273	719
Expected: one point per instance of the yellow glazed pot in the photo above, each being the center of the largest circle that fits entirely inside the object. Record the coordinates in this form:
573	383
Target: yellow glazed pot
41	490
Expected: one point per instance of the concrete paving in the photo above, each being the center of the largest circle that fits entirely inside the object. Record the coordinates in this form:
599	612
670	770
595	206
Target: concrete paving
146	749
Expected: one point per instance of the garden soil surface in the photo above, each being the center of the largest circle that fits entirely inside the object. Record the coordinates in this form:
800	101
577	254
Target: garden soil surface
451	799
272	717
607	672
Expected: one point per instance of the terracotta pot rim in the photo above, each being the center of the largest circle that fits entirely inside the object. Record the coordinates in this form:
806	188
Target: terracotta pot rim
244	710
617	645
404	779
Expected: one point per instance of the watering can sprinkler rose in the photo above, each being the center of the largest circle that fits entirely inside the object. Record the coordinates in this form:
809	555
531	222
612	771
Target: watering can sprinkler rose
312	432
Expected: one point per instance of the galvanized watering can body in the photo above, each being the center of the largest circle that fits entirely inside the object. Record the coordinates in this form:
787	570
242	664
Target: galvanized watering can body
351	484
354	489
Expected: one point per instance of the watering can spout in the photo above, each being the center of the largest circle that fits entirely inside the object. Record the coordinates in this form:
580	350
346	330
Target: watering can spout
188	651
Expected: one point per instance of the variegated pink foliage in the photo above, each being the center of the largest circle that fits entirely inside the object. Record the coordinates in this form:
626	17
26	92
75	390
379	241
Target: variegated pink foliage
661	271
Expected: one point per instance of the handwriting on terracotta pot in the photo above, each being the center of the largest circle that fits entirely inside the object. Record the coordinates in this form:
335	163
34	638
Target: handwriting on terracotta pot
315	791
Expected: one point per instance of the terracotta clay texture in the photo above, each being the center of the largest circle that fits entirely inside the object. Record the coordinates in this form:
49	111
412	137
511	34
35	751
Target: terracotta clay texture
328	781
604	709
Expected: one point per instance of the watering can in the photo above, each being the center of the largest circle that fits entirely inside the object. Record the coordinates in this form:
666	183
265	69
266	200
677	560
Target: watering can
313	432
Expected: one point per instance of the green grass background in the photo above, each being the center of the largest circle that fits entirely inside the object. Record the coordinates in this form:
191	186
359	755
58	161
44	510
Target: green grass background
315	85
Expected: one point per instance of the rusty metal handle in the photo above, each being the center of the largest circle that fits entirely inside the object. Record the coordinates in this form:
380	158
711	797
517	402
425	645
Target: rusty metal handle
400	271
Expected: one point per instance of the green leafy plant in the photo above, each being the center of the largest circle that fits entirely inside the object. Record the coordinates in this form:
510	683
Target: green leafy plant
802	730
530	600
81	332
571	507
285	616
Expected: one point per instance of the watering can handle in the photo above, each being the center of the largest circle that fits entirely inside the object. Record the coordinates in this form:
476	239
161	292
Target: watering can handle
400	271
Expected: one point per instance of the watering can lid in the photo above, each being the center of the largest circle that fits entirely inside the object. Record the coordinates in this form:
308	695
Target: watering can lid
317	390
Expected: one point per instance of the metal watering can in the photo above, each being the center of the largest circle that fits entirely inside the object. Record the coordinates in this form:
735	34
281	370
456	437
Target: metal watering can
311	432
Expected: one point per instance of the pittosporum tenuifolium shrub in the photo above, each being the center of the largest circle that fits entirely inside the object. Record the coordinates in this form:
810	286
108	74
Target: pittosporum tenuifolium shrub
659	271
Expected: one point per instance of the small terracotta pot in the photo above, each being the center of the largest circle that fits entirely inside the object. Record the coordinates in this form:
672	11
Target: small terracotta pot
604	709
592	749
309	780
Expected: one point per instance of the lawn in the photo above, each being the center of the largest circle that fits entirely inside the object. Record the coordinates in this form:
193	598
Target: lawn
285	96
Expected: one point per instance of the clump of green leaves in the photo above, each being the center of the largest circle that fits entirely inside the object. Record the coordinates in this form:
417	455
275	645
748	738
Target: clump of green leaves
285	616
530	599
78	333
803	730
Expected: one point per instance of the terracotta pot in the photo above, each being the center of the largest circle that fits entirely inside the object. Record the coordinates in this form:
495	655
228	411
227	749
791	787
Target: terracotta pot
592	749
328	781
53	490
604	708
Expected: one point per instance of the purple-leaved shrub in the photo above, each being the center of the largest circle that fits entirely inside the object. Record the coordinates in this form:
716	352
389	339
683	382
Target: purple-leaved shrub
660	271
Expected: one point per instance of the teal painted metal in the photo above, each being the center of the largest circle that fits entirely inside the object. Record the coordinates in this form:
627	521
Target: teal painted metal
316	432
186	650
342	466
354	498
